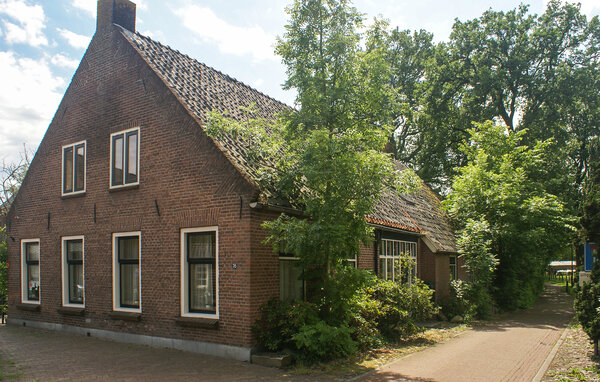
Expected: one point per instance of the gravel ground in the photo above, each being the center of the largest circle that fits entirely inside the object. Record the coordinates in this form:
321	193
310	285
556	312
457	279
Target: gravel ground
574	360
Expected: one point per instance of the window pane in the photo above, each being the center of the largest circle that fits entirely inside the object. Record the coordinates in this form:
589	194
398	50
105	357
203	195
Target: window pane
33	282
201	245
74	250
202	287
130	288
32	251
76	283
80	168
68	169
291	286
390	267
131	158
117	160
129	248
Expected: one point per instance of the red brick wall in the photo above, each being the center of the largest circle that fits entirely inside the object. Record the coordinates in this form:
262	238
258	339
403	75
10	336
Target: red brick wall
190	179
366	256
426	263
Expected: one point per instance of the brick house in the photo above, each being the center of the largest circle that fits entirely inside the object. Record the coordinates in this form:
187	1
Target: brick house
132	224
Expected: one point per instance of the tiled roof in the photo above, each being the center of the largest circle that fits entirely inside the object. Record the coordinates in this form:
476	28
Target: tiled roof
420	211
201	89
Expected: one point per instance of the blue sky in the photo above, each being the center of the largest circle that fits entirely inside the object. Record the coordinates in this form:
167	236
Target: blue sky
42	42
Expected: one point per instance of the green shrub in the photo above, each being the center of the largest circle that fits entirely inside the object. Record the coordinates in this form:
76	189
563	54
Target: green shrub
399	307
280	321
322	342
458	303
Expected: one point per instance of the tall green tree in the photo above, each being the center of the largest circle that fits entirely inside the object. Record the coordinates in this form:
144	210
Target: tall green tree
531	73
497	200
330	160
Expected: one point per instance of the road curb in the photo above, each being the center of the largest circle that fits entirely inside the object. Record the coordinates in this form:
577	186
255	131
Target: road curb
540	374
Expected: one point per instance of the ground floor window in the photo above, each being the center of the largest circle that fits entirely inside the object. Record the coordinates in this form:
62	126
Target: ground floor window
291	283
30	271
452	268
72	270
199	263
397	260
126	271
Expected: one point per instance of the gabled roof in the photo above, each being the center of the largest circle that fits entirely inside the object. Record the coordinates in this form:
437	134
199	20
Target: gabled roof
200	88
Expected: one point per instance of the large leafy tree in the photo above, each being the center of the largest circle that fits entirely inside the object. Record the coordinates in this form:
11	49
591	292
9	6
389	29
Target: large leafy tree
529	73
498	199
329	153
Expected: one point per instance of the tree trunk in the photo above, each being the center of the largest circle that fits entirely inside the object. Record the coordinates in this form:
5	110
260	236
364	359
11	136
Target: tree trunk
596	348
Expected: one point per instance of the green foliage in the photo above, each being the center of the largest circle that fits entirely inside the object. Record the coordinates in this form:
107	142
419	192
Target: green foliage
280	321
459	303
322	342
504	214
587	305
3	271
591	206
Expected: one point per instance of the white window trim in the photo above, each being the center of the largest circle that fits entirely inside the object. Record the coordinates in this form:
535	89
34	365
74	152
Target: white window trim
184	274
115	268
415	257
64	271
110	159
62	169
24	298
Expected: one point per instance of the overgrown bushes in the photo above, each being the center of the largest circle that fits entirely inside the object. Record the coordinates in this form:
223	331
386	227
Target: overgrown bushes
376	311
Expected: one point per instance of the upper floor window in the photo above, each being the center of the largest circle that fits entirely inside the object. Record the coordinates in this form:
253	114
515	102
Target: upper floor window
73	173
124	158
30	270
398	260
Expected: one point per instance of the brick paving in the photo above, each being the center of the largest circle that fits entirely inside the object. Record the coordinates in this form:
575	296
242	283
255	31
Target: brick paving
511	348
41	355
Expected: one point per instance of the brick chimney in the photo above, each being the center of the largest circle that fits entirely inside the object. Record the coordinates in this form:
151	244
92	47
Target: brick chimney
120	12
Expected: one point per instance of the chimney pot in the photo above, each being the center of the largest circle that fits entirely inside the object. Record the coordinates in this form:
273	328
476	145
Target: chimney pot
120	12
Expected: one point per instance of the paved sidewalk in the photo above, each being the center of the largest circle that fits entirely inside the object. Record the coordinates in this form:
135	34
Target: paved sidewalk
512	348
41	355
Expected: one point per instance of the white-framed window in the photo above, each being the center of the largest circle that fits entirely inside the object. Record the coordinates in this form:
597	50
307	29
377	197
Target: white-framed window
453	275
124	158
30	271
291	284
127	272
352	261
397	260
73	279
200	272
73	168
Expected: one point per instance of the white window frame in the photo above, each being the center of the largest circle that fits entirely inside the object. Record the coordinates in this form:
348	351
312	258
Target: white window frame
455	266
110	179
24	295
353	260
397	255
185	312
65	271
116	276
62	169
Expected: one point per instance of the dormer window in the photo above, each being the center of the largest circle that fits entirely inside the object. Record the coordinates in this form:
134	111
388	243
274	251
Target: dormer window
124	158
73	169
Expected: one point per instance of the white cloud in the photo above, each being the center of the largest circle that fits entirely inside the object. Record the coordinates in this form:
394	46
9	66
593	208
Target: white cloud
75	40
90	6
231	39
27	108
64	61
28	23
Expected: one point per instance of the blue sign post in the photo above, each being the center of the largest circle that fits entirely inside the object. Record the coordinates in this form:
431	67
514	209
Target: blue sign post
590	250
